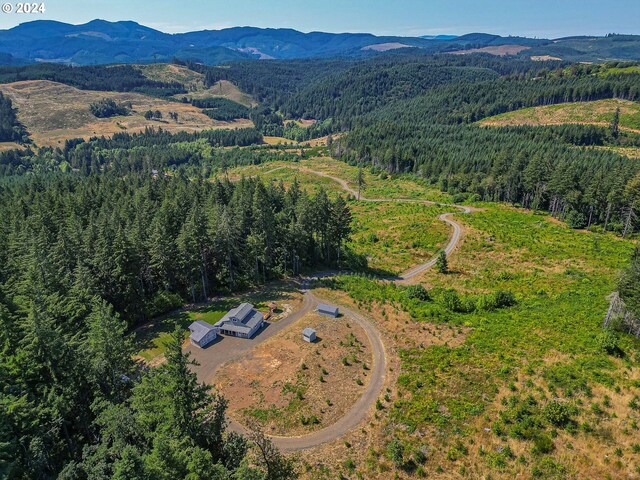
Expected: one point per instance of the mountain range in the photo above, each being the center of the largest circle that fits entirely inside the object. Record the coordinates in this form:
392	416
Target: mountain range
103	42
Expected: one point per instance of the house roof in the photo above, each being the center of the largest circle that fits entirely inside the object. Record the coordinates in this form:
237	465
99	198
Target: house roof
323	307
199	330
307	332
241	319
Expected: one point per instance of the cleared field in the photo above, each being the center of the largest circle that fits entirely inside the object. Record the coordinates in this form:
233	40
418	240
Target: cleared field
54	112
380	184
629	152
224	89
4	146
486	405
599	112
499	50
294	387
397	236
165	72
194	82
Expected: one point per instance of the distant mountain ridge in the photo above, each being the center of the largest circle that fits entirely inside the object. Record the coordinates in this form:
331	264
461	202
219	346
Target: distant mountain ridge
103	42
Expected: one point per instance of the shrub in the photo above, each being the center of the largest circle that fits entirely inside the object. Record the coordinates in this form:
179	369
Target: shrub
504	298
395	450
557	413
418	292
607	341
452	301
542	444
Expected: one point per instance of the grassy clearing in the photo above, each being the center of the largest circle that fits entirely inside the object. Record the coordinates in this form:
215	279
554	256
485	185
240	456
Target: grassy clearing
597	112
194	82
529	392
397	236
379	184
287	172
53	112
153	337
164	72
629	152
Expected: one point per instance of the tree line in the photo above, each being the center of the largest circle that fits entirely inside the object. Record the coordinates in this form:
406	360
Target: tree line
145	245
550	168
11	130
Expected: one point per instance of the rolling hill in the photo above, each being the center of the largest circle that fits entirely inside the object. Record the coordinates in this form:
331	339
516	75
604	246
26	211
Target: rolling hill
599	112
100	42
53	112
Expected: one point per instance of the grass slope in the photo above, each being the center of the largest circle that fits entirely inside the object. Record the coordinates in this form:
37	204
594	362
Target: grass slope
599	112
54	112
488	406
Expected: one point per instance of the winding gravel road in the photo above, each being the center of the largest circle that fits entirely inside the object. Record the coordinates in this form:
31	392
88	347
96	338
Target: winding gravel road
231	348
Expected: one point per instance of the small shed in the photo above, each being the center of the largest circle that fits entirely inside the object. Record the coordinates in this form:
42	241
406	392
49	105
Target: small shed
309	335
328	310
202	333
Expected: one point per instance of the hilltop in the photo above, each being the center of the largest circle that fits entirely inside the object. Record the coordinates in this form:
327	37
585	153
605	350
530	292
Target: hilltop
101	42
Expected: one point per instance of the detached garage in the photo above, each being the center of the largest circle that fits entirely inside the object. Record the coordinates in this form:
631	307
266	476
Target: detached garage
328	310
202	334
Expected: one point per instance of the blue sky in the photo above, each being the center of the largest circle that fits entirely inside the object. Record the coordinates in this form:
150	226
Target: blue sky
541	18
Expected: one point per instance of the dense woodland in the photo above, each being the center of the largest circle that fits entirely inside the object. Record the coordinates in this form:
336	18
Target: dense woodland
11	130
87	258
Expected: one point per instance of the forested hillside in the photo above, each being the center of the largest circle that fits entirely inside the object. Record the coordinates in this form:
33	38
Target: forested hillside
10	128
85	259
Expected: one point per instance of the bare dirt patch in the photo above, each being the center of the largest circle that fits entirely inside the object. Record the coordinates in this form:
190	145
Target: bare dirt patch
543	58
54	112
385	47
294	387
499	50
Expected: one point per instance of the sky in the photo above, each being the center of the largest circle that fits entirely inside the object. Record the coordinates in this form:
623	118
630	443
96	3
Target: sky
531	18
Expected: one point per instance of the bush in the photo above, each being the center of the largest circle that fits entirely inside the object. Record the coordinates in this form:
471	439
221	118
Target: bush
395	450
542	444
557	413
418	292
504	298
607	341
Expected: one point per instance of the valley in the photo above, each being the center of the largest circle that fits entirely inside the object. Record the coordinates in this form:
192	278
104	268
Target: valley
262	254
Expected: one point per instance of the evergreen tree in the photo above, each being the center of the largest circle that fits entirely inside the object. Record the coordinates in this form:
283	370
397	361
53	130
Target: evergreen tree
442	263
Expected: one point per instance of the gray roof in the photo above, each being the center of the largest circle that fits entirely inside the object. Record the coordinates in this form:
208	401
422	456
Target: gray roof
307	332
241	319
323	307
199	329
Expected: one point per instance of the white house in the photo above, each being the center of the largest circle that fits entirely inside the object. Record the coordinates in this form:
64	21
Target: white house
243	321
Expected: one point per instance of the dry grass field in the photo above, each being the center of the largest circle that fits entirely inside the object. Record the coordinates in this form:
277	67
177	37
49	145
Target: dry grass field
194	82
599	112
500	50
291	386
54	112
